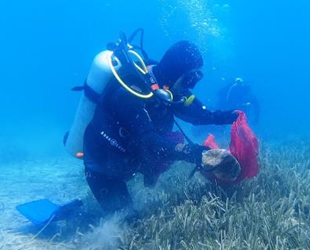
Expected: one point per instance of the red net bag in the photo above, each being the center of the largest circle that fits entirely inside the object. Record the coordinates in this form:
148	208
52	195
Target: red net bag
243	146
210	142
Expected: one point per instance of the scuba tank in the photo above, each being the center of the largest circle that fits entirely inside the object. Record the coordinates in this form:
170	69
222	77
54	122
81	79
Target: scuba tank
99	75
104	67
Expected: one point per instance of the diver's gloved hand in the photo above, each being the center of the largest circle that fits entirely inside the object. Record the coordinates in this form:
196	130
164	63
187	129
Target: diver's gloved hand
227	117
192	152
236	114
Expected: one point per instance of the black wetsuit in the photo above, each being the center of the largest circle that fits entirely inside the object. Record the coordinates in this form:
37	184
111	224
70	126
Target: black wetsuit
129	135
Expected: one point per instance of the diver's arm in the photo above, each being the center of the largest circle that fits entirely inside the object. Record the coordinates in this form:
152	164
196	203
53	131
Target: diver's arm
197	114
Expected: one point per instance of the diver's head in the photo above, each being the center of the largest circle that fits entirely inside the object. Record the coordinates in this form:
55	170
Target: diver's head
238	80
180	66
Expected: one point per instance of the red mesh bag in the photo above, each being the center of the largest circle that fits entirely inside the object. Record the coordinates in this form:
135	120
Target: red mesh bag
243	146
210	142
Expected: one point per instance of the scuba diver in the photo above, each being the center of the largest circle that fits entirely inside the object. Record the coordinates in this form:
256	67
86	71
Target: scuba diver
239	95
131	129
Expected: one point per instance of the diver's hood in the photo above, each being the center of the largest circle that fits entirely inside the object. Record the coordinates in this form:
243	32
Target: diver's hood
180	58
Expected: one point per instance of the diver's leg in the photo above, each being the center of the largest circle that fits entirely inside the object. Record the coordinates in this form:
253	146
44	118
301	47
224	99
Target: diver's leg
104	173
111	193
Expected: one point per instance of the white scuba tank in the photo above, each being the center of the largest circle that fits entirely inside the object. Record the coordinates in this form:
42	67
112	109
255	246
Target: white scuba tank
99	75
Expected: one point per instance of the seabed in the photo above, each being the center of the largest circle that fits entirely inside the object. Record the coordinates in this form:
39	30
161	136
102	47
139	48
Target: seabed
270	211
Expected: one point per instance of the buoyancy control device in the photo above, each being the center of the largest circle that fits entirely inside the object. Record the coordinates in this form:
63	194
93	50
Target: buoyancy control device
105	66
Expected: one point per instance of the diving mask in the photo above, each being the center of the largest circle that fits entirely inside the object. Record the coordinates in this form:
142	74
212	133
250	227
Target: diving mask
191	78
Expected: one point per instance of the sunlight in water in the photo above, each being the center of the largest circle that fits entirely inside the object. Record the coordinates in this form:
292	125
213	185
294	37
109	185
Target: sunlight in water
202	19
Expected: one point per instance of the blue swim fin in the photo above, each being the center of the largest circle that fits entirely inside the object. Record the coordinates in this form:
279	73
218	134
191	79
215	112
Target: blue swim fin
42	211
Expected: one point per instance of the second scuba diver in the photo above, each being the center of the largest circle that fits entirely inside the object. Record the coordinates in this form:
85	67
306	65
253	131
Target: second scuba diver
239	95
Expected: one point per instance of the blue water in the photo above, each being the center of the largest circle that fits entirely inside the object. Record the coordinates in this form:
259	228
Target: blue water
47	48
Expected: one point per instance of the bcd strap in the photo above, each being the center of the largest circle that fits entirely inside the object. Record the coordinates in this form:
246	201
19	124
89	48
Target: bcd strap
77	88
89	92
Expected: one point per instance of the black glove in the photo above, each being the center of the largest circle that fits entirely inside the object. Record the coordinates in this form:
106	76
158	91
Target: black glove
236	114
193	153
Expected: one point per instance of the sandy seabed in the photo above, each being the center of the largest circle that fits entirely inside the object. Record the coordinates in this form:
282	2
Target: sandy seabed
56	179
270	211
